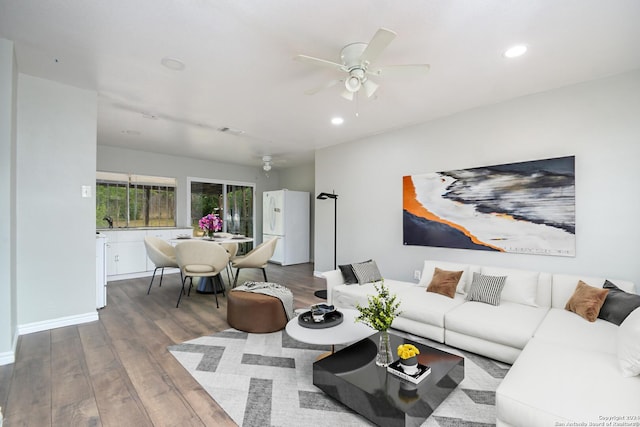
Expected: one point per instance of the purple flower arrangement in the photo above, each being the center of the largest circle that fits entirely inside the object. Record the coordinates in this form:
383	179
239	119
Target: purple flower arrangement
210	223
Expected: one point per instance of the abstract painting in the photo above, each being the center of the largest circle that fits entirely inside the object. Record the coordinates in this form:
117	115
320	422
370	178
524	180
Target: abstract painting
526	207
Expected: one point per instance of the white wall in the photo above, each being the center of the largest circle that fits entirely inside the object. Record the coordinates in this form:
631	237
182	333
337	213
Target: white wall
56	152
298	178
595	121
8	313
115	159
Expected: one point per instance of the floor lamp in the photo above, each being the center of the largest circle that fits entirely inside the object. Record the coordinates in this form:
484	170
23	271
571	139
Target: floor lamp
324	196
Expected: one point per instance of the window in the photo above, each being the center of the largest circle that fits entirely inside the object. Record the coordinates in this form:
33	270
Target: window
135	200
231	201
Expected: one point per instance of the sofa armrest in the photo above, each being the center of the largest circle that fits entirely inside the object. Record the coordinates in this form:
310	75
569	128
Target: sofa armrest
334	278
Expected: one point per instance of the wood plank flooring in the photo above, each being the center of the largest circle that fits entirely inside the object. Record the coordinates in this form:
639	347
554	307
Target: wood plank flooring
117	371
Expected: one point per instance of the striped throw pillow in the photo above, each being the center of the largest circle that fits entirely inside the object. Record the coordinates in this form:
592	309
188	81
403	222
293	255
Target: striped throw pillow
486	289
366	272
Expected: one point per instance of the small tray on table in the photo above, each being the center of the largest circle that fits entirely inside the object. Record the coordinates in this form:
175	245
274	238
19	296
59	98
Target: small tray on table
330	319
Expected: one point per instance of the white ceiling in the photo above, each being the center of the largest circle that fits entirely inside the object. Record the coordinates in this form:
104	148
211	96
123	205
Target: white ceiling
240	72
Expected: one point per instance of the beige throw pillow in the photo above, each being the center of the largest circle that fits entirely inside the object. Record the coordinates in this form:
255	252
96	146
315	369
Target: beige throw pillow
444	282
587	301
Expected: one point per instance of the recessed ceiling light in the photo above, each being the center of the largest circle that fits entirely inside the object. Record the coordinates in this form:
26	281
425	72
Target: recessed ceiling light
515	51
131	132
172	63
337	121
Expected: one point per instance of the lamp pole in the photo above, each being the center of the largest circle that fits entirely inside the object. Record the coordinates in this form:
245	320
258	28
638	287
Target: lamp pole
334	196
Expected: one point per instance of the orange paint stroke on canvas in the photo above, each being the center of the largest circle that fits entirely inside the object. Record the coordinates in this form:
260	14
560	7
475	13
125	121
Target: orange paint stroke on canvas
414	207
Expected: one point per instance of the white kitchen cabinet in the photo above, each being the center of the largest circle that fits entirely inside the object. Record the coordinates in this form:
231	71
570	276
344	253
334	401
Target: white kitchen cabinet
131	257
112	238
126	253
166	235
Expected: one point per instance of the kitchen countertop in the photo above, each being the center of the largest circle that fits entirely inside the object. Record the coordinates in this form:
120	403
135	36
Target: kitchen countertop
141	228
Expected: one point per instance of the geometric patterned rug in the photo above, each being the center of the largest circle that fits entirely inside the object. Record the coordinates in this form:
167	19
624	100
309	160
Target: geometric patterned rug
266	380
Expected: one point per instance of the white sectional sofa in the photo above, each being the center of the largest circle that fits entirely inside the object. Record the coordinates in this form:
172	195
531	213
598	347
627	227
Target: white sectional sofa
565	368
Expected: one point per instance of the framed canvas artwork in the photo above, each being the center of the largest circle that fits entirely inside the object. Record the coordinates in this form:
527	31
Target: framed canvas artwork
525	207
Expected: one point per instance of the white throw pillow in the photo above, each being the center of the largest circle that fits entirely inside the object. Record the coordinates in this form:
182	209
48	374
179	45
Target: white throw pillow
430	266
520	287
629	344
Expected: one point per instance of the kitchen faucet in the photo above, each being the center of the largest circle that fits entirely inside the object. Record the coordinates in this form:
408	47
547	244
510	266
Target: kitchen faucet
109	220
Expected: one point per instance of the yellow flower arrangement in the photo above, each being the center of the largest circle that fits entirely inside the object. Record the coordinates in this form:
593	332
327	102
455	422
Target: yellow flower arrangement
406	351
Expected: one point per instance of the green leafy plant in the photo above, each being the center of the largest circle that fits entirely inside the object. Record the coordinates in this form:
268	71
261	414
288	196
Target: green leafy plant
381	310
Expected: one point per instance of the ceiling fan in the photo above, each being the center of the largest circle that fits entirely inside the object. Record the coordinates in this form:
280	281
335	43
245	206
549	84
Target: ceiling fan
356	60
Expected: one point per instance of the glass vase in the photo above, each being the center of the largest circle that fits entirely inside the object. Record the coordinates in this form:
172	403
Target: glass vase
384	356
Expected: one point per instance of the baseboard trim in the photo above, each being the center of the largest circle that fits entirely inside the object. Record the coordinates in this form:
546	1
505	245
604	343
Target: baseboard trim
126	276
60	322
7	358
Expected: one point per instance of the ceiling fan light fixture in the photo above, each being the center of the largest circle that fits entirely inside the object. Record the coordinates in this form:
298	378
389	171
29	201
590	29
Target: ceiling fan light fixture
356	60
348	95
266	163
352	83
369	87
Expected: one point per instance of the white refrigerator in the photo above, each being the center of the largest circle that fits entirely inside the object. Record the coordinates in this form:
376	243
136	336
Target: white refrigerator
285	214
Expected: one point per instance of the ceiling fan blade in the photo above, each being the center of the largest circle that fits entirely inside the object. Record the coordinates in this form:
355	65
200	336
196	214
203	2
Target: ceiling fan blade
406	69
317	61
378	43
322	87
370	87
347	95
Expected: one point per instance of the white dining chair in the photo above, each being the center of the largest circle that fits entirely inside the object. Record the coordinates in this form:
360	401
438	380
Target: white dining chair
232	250
198	258
161	254
256	258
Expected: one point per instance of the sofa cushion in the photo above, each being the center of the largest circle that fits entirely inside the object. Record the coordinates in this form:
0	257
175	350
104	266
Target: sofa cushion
509	323
444	282
569	329
520	286
348	296
549	384
486	289
348	274
366	272
426	307
429	268
586	301
629	344
618	304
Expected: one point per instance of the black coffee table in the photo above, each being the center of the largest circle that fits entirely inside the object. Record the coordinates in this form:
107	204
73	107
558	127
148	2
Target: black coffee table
352	377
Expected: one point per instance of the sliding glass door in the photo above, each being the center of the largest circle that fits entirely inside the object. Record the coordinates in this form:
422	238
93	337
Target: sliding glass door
239	216
206	198
231	201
